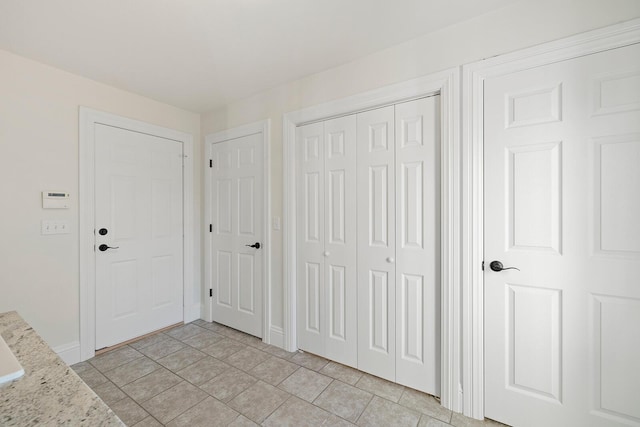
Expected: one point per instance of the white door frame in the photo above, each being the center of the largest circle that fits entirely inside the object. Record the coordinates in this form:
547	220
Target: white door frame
472	181
263	127
445	83
88	119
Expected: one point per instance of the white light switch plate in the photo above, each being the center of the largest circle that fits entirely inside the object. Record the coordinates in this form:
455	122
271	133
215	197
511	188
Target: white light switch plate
55	227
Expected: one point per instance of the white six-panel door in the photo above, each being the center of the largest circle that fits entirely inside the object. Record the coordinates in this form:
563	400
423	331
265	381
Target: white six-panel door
236	224
327	239
138	196
562	204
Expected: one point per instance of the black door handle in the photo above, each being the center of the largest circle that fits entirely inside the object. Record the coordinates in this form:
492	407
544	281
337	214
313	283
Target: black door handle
255	245
104	247
497	266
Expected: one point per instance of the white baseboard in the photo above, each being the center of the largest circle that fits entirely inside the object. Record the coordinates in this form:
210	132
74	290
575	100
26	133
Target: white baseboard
69	352
276	336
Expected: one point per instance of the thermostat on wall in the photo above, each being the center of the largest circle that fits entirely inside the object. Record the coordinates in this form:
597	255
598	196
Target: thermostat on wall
55	200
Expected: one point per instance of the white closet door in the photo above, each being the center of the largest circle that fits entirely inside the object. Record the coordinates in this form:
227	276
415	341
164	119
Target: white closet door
376	242
417	277
340	240
310	236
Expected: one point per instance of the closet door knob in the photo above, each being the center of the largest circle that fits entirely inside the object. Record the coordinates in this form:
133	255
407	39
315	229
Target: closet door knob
390	260
326	253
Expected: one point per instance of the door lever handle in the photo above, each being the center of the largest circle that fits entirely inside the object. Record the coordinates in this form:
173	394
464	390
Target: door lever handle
104	247
497	266
255	245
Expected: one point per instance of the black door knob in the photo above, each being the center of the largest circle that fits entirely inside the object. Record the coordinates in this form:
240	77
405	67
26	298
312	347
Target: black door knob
497	266
104	247
255	245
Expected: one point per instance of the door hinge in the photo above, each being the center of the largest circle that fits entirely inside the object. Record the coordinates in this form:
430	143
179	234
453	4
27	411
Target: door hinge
211	293
210	163
210	228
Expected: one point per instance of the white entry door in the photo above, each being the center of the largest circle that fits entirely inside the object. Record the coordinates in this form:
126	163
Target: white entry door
237	233
562	204
138	236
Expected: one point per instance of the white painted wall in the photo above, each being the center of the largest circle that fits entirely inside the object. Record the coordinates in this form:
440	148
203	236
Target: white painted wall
39	151
523	24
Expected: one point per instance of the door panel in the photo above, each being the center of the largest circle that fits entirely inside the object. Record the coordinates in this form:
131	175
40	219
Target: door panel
139	201
340	239
327	239
376	242
310	242
562	149
237	202
417	275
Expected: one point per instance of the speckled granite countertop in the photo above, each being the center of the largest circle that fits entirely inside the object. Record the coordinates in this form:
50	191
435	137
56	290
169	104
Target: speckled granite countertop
49	393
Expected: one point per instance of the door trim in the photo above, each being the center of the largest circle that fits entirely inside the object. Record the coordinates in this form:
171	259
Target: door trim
473	77
447	85
270	333
88	118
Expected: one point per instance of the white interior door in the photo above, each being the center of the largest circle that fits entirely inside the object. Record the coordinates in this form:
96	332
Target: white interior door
237	233
138	205
562	204
327	239
417	277
376	242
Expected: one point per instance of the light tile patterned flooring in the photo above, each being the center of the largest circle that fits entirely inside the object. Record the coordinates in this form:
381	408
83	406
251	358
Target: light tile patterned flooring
206	374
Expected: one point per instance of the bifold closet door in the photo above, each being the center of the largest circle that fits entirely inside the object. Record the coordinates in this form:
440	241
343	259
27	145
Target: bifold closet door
327	239
418	244
399	243
376	242
310	236
340	240
369	241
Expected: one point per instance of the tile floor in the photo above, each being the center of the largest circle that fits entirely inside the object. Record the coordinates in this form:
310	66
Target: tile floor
206	374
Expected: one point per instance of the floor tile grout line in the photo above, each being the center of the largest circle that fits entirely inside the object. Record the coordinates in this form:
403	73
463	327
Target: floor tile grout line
272	412
197	403
146	400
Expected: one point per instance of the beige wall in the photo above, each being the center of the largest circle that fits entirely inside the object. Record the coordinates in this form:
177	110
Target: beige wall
39	151
521	25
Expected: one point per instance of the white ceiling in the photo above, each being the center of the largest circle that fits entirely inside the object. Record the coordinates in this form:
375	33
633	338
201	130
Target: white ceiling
201	54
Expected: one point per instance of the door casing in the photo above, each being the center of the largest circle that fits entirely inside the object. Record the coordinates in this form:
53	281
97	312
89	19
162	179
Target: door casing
87	121
473	76
447	84
269	334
